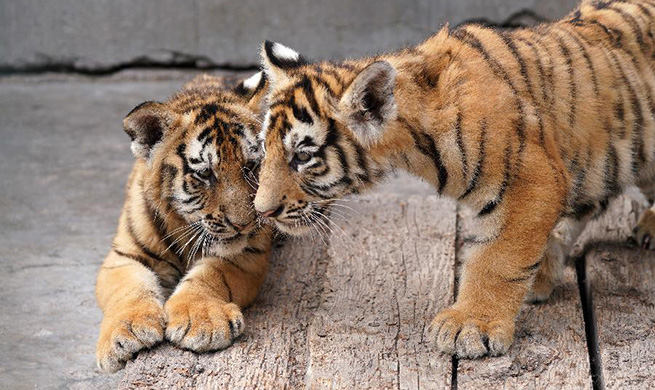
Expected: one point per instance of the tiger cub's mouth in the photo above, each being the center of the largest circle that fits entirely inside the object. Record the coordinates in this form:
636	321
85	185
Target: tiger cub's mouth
309	220
225	246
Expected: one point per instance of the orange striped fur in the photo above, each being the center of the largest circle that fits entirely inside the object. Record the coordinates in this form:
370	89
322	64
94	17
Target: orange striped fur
188	253
536	129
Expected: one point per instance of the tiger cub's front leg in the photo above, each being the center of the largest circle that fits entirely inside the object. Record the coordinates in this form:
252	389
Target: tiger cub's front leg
204	312
132	302
496	278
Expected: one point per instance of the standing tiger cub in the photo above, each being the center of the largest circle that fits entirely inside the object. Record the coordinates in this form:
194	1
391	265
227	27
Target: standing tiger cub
188	226
536	129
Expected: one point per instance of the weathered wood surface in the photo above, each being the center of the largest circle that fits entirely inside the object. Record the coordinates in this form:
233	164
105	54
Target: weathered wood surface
549	349
622	284
352	313
387	277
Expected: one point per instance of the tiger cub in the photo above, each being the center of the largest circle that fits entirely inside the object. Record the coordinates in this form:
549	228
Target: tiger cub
535	129
188	226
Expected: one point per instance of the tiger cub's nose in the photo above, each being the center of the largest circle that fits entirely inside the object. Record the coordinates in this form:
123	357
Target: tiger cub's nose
273	212
236	226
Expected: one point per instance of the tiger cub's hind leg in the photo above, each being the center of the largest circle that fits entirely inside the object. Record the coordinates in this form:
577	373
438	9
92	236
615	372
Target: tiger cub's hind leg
644	231
551	266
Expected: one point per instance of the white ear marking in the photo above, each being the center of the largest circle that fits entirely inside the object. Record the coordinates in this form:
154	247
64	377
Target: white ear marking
253	81
277	60
284	53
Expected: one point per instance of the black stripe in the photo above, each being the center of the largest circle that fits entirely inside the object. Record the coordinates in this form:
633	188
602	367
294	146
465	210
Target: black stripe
362	163
632	22
324	171
576	18
309	188
638	154
612	172
491	206
143	260
204	134
579	208
529	86
477	170
181	148
520	61
308	90
521	279
254	250
300	113
161	229
548	76
471	40
334	74
166	179
585	54
619	110
425	144
241	89
572	84
325	85
307	141
546	79
207	112
460	144
540	68
614	36
533	267
645	10
325	187
142	247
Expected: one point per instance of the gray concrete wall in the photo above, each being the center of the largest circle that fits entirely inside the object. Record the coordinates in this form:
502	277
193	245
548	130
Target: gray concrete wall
98	35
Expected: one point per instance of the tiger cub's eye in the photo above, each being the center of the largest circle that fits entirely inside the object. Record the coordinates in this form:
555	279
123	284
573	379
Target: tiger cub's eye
303	157
205	174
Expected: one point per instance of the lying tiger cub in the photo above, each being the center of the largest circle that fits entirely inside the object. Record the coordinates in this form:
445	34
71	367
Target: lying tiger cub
188	224
535	129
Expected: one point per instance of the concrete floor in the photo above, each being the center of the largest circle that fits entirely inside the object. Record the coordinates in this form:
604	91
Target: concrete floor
64	160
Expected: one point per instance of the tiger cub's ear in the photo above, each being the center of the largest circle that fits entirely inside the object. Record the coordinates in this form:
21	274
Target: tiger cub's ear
252	90
277	60
146	125
368	104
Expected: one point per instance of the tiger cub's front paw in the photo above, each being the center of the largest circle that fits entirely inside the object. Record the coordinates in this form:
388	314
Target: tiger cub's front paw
644	232
130	329
202	323
458	333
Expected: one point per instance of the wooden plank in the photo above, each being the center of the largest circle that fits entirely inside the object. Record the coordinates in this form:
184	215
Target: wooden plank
622	284
272	354
549	349
390	271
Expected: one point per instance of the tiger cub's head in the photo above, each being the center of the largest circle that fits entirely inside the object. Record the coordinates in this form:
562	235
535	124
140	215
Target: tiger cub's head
199	152
321	123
